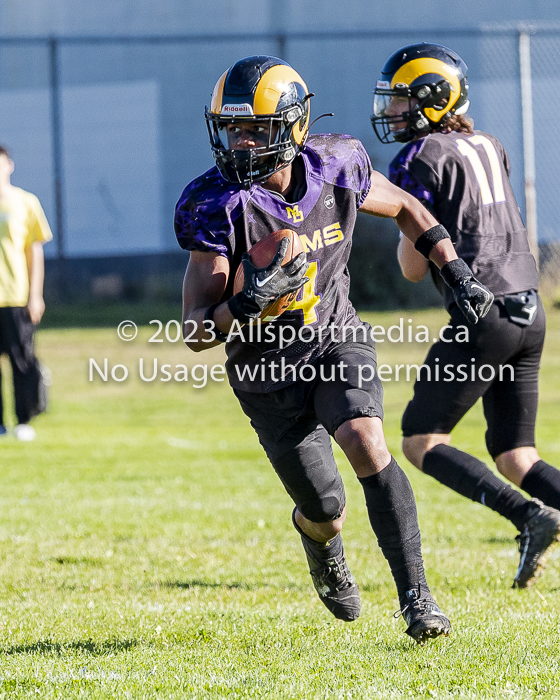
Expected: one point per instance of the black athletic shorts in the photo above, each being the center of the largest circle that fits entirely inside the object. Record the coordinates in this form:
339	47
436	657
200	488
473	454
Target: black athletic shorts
510	404
294	425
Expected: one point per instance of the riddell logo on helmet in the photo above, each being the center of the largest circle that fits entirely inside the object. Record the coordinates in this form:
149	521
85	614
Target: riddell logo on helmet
237	109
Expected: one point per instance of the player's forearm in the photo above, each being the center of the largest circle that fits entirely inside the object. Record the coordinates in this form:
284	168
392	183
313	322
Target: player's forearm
203	286
414	220
414	266
35	270
200	333
36	274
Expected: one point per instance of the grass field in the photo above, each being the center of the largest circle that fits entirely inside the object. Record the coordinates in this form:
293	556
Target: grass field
146	551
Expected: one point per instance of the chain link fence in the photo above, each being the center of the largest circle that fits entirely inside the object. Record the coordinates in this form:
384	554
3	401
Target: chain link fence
108	131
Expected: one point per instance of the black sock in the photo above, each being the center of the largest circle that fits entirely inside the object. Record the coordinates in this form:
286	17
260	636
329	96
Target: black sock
543	481
471	478
392	514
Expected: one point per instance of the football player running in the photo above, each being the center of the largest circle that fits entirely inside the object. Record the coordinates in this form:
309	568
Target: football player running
270	174
462	177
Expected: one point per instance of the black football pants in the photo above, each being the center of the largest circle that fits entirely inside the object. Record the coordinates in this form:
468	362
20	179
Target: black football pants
509	396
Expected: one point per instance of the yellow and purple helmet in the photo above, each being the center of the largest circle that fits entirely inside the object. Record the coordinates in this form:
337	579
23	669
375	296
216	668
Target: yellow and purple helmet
431	75
259	89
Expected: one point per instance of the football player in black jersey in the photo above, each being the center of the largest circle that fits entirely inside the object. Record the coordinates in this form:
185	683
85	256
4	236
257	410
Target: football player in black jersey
270	174
462	177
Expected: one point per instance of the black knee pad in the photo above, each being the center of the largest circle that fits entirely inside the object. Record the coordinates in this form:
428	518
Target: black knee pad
310	475
322	510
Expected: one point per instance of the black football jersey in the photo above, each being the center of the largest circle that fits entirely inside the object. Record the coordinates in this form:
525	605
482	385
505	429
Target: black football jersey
214	215
463	179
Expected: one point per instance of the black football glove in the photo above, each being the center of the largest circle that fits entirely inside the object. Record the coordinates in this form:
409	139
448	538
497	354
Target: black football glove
263	285
471	296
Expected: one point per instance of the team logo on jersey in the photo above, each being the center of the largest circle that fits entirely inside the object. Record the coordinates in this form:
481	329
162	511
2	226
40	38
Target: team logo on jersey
294	213
237	109
322	238
329	201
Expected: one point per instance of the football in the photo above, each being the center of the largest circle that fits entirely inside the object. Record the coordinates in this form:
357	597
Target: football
262	254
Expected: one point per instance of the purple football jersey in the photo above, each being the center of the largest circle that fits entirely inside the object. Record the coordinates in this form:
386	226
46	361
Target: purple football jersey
213	215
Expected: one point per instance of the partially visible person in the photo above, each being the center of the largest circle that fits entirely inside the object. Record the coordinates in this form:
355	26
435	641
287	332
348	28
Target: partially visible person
23	231
462	177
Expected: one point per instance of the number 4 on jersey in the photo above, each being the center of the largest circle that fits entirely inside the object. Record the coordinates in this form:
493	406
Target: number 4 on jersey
310	298
480	173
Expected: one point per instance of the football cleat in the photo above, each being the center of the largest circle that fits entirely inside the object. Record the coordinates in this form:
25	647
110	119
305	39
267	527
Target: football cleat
423	616
540	534
331	577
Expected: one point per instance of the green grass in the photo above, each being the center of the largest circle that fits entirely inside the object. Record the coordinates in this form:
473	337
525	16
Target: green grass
146	551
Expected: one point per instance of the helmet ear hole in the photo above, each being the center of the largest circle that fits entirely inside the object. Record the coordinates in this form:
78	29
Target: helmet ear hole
435	96
441	94
293	115
288	155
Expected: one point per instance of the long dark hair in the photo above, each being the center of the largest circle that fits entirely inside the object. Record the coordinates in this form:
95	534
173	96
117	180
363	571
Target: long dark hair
456	122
